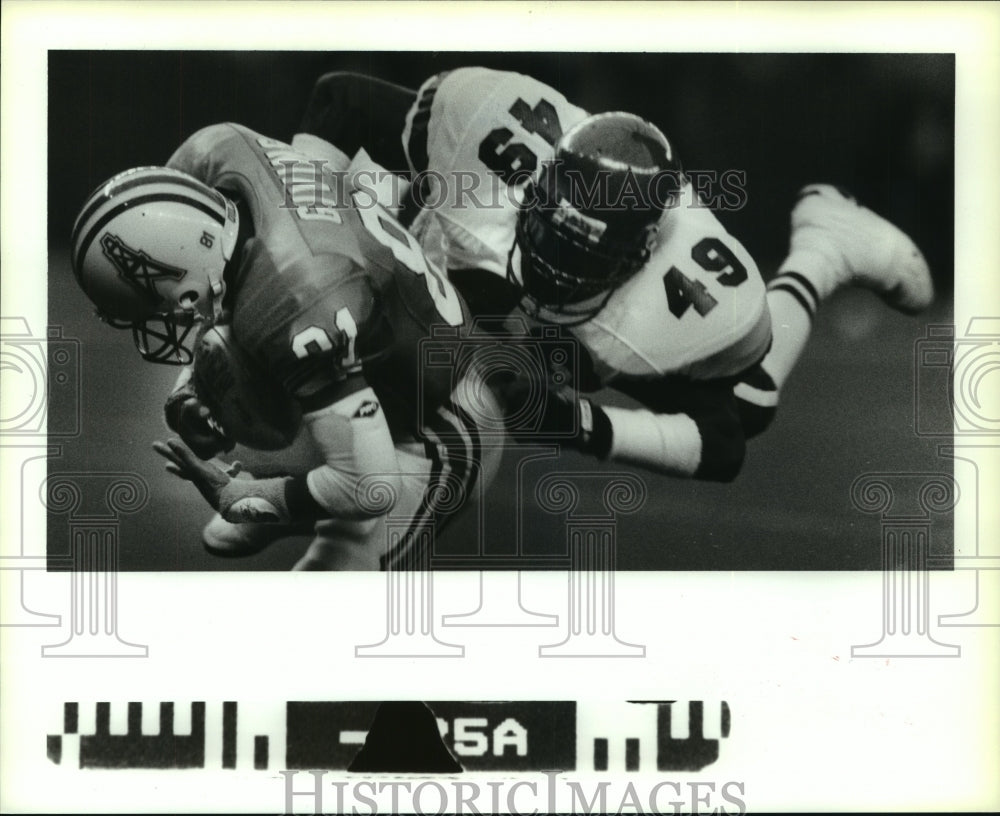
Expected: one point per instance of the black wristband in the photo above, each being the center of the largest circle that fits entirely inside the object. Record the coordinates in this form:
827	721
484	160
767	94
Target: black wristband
596	440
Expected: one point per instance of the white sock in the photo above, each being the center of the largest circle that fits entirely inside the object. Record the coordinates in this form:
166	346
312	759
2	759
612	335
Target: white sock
791	325
817	262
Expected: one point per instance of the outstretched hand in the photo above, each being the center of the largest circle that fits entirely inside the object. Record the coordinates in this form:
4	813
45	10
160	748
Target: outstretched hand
183	463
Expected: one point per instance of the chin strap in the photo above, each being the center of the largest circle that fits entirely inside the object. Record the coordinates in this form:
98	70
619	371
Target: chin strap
217	292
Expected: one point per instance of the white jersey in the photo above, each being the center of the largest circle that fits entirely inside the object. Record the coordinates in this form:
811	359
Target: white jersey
697	308
470	132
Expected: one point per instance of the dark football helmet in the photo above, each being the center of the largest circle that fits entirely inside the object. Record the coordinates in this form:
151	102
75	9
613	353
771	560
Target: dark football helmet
589	220
149	249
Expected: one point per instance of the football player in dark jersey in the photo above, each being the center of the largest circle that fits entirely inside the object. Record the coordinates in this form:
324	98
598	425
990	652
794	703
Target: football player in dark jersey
312	307
669	307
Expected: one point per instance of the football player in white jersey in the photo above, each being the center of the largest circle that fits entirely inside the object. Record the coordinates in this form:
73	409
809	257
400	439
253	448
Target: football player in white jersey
670	308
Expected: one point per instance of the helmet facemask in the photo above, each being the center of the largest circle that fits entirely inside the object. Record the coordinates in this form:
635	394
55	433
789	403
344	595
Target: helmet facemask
162	337
564	273
150	250
159	339
589	220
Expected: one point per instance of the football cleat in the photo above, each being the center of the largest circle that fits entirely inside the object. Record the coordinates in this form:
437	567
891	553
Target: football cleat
860	249
226	540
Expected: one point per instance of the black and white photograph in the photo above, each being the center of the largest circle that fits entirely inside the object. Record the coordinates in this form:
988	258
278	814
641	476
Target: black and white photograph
396	421
784	236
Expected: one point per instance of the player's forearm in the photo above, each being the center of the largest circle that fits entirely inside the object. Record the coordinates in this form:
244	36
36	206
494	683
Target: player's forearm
710	448
360	476
359	479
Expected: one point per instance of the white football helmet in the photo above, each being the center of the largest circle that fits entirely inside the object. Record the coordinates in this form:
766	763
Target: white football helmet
149	249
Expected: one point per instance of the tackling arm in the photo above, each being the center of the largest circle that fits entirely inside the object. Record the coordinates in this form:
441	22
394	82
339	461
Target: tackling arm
684	428
706	435
353	438
688	429
706	422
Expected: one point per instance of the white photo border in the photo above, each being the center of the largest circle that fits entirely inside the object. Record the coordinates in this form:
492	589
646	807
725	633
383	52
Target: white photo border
817	730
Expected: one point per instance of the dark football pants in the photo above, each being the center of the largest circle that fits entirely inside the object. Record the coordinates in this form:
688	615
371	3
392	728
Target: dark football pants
352	111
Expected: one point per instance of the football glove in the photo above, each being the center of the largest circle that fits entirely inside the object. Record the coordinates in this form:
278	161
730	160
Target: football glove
238	500
542	412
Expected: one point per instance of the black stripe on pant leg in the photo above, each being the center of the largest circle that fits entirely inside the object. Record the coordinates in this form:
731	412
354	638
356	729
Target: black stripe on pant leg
391	558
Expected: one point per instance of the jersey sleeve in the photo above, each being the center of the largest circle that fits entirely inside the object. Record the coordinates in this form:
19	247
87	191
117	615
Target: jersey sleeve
416	131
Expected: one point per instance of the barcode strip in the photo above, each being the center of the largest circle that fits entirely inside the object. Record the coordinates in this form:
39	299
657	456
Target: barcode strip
600	754
71	718
229	735
631	754
260	758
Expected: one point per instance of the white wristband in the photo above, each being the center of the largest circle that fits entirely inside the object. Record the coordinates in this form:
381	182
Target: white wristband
666	443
